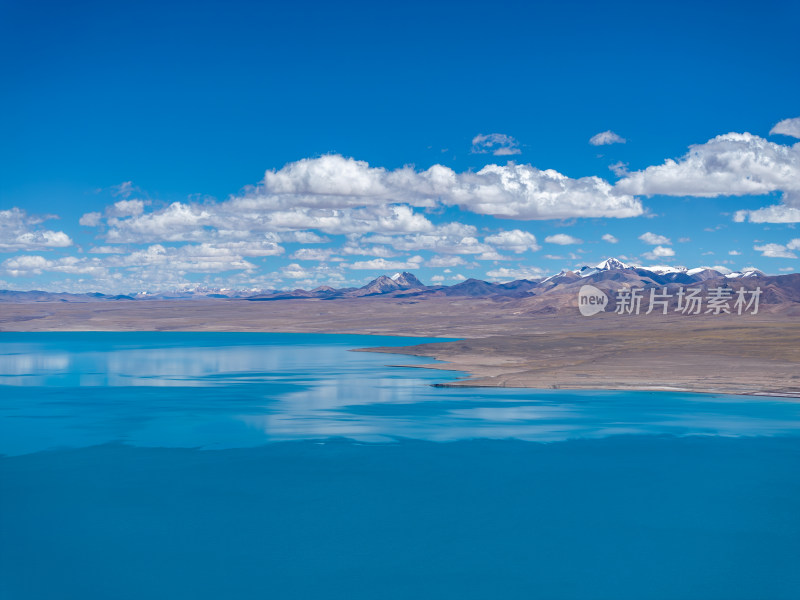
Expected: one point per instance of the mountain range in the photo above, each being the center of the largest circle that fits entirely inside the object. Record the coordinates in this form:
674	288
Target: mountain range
609	275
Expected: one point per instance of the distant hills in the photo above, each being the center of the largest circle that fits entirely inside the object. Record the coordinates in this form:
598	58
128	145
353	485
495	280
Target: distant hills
559	289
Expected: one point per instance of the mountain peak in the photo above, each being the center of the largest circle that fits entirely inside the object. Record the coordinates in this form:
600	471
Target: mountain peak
407	280
398	281
611	264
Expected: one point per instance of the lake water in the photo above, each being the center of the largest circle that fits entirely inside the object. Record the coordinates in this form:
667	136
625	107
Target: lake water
225	465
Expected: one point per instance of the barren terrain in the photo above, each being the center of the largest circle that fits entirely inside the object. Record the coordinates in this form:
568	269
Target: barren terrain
503	342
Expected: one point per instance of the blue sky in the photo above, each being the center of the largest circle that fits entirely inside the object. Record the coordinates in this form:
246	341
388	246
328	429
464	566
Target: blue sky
451	139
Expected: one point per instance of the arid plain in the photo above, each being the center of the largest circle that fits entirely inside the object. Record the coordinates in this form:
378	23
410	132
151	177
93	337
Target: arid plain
516	342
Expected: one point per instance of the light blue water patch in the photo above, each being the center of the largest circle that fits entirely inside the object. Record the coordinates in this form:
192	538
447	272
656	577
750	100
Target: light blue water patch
229	390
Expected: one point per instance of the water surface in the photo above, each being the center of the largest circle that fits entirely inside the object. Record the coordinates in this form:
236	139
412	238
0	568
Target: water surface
224	390
250	466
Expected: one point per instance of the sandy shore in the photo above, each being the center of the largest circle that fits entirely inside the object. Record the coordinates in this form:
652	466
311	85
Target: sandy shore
502	345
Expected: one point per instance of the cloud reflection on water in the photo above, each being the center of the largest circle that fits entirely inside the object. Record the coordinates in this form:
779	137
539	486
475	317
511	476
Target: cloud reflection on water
230	390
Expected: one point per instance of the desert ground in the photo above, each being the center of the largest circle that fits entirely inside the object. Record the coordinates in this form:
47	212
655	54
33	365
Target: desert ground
503	342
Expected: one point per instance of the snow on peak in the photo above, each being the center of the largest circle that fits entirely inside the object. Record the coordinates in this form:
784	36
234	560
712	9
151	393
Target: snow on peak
611	263
396	276
665	269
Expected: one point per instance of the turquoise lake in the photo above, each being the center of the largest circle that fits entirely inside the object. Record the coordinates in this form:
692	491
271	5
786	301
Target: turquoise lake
232	465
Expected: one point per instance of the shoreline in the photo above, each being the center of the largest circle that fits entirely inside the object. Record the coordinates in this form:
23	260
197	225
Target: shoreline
497	344
473	382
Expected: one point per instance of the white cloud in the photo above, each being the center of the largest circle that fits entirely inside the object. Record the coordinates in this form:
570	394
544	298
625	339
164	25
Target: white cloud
775	251
794	244
353	248
498	144
516	241
126	208
197	258
491	255
437	278
605	138
295	271
790	127
514	191
506	274
338	195
381	264
777	213
193	222
654	239
108	250
124	189
733	164
91	219
562	239
620	169
21	231
143	263
659	252
451	238
734	253
36	265
607	237
527	193
445	261
312	254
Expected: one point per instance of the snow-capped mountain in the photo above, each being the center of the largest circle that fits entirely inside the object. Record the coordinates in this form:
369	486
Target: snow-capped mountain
698	273
407	280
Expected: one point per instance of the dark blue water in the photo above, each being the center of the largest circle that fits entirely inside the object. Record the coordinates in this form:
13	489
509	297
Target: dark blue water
174	465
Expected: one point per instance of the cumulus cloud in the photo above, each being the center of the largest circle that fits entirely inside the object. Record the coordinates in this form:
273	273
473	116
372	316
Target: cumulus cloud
512	191
381	264
199	258
318	254
108	250
777	213
620	169
733	164
777	250
606	138
36	265
654	239
516	241
498	144
607	237
451	238
180	222
445	261
295	271
526	193
506	274
355	248
337	195
21	231
659	252
91	219
126	208
790	127
191	258
562	239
